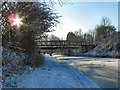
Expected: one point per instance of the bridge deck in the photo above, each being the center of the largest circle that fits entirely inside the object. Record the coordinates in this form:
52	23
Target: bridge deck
58	47
65	43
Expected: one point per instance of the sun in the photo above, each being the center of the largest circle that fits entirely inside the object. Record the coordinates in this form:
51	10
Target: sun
15	20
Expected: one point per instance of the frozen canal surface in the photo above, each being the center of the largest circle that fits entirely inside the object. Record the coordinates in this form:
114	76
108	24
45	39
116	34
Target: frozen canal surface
55	75
103	71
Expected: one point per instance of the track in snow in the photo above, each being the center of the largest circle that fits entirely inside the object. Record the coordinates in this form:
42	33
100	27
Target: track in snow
55	75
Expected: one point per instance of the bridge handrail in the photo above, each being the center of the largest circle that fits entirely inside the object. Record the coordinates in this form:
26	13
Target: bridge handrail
68	42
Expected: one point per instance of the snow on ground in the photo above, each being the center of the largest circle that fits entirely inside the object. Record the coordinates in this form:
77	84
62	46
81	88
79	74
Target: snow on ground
101	51
103	71
54	75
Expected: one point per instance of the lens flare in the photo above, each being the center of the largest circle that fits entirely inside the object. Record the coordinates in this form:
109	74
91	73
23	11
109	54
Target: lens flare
15	20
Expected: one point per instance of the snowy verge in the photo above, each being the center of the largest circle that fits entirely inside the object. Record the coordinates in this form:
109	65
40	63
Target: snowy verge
55	75
100	51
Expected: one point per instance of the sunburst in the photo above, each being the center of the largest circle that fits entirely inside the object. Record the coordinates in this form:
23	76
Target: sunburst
15	20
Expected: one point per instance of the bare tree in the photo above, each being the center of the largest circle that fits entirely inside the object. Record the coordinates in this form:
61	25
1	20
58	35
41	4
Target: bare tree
38	19
92	33
53	37
106	33
105	21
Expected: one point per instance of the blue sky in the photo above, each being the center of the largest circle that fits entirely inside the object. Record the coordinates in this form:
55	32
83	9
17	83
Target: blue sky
85	16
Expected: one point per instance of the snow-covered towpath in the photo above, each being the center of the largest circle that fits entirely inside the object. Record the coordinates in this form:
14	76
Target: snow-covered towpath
55	75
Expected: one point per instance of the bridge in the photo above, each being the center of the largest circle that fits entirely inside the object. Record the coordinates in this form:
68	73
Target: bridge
85	46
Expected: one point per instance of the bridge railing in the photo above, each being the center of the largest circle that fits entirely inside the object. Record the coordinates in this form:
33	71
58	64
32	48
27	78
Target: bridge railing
66	43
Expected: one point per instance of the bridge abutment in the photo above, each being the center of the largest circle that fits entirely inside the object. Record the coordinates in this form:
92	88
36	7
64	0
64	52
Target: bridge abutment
87	48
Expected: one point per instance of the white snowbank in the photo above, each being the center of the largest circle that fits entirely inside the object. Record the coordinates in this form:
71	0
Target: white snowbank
103	52
55	75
